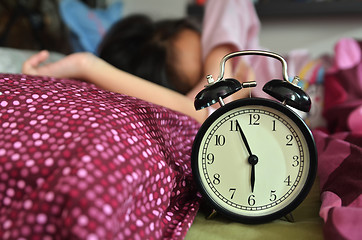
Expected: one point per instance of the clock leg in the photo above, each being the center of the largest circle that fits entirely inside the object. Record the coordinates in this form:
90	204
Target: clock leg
212	214
289	218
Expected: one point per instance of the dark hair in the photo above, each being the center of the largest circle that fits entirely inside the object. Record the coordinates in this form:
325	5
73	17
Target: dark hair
143	48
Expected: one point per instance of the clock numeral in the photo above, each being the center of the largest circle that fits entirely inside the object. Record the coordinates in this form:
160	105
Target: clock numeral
295	161
210	158
232	190
251	200
273	196
254	119
233	125
220	140
287	181
216	180
290	138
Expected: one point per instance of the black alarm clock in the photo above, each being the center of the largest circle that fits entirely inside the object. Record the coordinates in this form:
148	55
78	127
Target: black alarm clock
254	159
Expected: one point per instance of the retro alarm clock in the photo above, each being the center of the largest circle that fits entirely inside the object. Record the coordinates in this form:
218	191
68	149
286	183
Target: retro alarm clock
254	159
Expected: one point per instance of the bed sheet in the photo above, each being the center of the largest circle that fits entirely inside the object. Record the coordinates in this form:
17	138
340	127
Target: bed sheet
307	225
12	59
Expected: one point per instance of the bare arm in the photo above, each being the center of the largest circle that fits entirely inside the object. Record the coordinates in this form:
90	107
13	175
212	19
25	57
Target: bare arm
108	77
212	66
93	69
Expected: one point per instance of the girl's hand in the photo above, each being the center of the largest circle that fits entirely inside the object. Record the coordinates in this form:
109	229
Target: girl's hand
71	66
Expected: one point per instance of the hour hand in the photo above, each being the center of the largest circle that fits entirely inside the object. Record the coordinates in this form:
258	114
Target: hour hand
253	160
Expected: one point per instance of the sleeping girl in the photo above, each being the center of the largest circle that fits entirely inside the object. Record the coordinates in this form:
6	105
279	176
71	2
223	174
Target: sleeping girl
164	62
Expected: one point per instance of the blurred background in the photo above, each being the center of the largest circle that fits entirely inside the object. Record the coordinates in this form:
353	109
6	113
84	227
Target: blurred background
56	25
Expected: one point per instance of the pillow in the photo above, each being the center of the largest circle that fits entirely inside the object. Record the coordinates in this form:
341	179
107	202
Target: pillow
79	162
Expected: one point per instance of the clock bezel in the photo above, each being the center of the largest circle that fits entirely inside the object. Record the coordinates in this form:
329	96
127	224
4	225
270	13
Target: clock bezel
311	148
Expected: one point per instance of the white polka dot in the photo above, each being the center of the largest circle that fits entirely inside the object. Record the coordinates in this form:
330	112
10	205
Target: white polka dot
2	152
152	226
7	224
139	223
38	143
15	157
107	209
17	145
129	178
82	173
45	136
4	103
121	158
21	184
10	192
7	201
86	158
36	136
29	163
49	162
92	237
49	196
67	134
28	204
100	147
41	218
83	220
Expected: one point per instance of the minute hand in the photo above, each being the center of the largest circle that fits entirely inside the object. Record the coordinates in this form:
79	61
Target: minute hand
244	138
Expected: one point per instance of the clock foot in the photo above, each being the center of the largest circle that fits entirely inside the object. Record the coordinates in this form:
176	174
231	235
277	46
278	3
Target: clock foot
289	218
211	215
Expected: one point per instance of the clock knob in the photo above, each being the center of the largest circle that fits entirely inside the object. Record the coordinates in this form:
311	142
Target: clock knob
216	91
288	93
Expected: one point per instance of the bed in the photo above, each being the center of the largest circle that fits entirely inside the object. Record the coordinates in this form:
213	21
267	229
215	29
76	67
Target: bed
79	162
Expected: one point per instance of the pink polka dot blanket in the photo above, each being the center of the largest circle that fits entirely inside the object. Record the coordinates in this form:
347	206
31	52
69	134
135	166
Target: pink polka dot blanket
78	162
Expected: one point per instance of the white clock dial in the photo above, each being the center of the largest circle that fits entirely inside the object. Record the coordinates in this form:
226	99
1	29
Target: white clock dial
253	160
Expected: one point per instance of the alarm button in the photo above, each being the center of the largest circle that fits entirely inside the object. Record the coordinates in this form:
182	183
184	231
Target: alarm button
289	94
214	91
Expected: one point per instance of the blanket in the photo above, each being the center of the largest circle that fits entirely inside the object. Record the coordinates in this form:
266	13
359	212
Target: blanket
340	144
78	162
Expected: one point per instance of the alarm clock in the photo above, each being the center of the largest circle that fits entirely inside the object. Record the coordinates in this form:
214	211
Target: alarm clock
254	160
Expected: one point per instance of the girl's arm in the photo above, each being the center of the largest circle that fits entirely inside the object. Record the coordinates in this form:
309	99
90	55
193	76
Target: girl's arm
212	66
93	69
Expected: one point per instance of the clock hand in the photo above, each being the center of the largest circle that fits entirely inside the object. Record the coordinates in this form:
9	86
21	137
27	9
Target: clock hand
244	138
252	178
253	159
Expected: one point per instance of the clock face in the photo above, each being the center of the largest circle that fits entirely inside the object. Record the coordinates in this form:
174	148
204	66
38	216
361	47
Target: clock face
254	160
